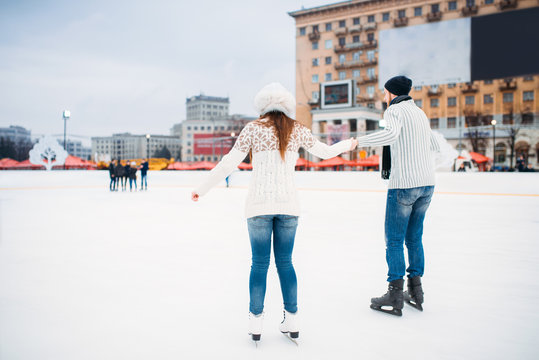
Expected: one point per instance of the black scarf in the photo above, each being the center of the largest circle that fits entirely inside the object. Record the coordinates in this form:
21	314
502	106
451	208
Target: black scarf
386	153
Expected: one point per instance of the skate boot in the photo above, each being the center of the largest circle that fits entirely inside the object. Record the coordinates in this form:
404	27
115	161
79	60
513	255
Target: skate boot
414	295
290	325
393	298
255	326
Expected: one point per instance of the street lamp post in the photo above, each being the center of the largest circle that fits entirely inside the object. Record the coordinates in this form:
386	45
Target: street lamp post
148	147
493	122
66	115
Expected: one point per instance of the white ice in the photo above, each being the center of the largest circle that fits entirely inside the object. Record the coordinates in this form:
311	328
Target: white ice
89	274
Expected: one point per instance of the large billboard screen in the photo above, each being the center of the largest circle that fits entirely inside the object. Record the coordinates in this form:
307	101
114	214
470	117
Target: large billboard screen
336	94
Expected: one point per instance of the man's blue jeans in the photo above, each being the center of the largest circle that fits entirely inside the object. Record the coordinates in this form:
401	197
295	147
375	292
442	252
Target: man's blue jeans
405	212
143	180
283	228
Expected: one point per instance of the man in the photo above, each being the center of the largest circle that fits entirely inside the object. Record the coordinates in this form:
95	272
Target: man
408	163
112	186
143	174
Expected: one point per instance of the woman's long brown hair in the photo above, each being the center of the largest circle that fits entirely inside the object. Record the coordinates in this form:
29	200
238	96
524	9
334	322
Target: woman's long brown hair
282	125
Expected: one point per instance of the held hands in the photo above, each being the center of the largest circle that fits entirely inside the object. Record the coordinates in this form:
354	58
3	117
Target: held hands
194	196
354	143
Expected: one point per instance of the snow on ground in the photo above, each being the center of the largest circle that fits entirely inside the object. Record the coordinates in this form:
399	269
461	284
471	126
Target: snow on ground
89	274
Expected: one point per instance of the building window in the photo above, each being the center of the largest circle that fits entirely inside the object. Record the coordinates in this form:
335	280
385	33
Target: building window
328	60
508	97
355	56
315	45
342	23
188	128
315	28
489	2
342	58
418	88
434	123
452	122
451	85
328	27
435	8
355	38
434	102
507	119
196	128
402	14
418	11
370	90
370	55
315	62
470	100
370	18
385	16
328	77
488	99
470	3
527	119
452	5
451	101
358	90
528	78
314	79
356	73
329	44
488	82
302	31
356	21
370	73
527	96
419	103
342	75
342	41
315	95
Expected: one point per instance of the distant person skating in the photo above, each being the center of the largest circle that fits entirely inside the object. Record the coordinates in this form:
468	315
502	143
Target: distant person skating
119	171
272	205
112	185
144	174
521	163
133	176
408	163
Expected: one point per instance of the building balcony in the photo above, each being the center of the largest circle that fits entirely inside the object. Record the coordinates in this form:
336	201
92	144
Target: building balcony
356	46
508	84
370	27
314	36
434	91
313	102
355	64
434	16
469	10
507	4
341	31
367	80
469	88
355	29
403	21
365	97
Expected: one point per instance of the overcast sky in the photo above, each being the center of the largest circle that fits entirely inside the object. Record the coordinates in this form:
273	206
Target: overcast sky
129	65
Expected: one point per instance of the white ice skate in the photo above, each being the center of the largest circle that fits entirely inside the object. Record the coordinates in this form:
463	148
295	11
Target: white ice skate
290	326
255	326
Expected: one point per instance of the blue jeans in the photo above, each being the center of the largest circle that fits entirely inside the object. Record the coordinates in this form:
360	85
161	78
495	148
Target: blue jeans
260	229
143	180
405	212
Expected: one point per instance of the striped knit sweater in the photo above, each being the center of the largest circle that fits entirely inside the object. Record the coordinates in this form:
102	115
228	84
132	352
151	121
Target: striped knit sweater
412	145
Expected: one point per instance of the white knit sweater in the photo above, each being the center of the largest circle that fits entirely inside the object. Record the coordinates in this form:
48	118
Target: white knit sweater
412	145
272	188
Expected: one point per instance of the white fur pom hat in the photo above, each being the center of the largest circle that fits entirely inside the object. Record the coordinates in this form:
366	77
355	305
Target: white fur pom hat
273	97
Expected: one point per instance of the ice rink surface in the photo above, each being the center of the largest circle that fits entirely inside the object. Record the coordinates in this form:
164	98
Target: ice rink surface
90	274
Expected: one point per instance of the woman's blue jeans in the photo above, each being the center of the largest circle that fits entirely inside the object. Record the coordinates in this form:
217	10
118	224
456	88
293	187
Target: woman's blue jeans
283	228
405	212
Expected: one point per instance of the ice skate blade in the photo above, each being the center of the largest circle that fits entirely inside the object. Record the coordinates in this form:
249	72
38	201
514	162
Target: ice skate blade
292	337
414	305
395	312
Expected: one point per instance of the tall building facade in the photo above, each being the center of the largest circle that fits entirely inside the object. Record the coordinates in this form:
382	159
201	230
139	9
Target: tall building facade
76	148
202	107
16	134
340	41
127	146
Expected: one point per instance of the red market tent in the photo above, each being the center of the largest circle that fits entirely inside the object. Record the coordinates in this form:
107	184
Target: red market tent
245	166
336	161
26	165
479	158
371	161
203	165
304	163
7	163
179	166
73	162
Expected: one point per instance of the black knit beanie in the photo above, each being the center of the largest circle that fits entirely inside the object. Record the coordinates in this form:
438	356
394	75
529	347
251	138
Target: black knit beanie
399	85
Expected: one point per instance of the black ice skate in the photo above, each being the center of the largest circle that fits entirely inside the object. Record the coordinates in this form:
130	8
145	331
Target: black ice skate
393	298
414	295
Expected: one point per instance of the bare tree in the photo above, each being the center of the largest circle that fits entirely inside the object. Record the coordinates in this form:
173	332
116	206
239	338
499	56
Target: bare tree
477	138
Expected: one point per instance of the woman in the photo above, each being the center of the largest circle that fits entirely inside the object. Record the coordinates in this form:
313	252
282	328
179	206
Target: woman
272	204
133	176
